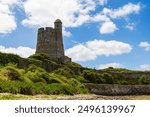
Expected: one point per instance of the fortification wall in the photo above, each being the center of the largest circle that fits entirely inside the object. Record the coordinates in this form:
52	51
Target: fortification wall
59	44
107	89
40	38
127	75
46	42
50	41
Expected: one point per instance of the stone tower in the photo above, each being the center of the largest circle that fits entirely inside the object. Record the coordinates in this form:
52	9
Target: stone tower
50	41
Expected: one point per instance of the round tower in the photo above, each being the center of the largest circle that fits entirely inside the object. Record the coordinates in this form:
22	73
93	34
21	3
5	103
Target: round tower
40	40
58	24
59	39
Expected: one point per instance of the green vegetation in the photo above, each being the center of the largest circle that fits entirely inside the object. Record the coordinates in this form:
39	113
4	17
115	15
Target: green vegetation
144	80
40	88
9	58
120	70
34	80
40	75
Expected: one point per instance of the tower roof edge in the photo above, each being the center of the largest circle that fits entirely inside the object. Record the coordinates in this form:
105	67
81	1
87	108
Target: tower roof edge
58	21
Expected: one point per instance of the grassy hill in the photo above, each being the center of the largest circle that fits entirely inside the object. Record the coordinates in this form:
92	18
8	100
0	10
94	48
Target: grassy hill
40	75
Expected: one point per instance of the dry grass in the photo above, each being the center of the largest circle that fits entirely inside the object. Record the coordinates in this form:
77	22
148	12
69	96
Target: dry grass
8	96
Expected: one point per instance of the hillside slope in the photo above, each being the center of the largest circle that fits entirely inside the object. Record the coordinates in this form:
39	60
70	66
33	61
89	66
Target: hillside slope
40	75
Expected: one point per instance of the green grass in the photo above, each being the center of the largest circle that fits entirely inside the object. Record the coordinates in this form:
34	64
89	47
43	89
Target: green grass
9	96
33	77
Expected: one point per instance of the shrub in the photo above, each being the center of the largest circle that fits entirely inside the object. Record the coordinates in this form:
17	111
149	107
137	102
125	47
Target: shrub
144	80
34	68
15	73
100	78
108	78
65	71
36	88
9	58
37	74
35	77
27	88
79	88
89	75
93	77
42	57
73	64
55	78
35	62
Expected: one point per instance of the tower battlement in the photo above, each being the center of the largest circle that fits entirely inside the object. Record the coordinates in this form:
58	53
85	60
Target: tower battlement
50	41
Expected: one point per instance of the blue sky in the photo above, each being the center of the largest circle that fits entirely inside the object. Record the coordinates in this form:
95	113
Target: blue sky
97	33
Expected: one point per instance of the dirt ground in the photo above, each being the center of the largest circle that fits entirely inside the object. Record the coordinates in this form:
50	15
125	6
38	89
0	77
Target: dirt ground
8	96
100	97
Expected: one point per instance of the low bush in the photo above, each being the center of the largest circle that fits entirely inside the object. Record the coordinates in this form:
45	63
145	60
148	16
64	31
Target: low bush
79	88
94	77
35	62
108	78
41	57
72	64
9	58
65	71
38	88
14	73
143	80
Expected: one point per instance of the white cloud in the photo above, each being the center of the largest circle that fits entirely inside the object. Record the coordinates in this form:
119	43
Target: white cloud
7	18
66	33
103	2
130	26
145	45
107	14
81	53
123	11
73	13
108	27
21	51
92	49
9	2
145	67
114	65
100	18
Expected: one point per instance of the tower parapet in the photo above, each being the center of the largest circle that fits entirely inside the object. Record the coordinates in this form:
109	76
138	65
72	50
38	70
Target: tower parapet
50	41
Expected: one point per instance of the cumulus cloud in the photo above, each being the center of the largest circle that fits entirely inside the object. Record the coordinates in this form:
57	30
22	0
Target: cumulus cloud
123	11
100	18
74	13
145	45
108	27
9	2
114	65
66	33
21	51
107	15
103	2
130	26
145	67
7	18
92	49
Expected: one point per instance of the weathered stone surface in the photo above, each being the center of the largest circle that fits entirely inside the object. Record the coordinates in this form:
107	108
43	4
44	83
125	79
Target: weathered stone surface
50	41
114	89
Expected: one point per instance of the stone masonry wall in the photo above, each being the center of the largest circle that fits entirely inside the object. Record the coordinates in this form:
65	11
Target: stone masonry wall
108	89
50	41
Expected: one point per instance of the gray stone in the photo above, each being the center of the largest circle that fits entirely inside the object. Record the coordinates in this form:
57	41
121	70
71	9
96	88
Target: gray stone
50	41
